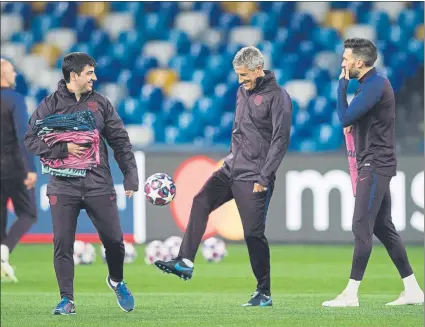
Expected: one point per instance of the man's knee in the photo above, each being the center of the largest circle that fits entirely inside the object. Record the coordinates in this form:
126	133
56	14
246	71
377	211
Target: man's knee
362	232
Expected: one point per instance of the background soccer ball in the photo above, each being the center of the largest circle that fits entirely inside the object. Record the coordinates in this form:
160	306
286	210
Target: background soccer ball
155	250
214	249
130	252
84	253
172	244
160	189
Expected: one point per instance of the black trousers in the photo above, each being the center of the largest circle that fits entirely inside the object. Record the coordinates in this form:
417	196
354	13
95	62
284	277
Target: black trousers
372	215
252	207
25	209
103	212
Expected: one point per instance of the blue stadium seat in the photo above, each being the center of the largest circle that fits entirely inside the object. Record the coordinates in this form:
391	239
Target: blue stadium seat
212	135
416	48
340	4
306	145
154	26
212	9
180	40
153	97
156	122
41	24
282	75
307	50
284	11
229	20
108	69
320	77
169	10
360	8
397	36
303	122
208	110
100	41
325	38
327	137
124	54
25	37
24	9
132	82
65	12
132	39
171	109
199	53
206	80
184	66
219	66
320	110
295	65
285	42
131	111
84	27
405	63
134	7
396	78
302	25
38	93
267	22
409	19
81	47
188	126
378	19
142	65
226	122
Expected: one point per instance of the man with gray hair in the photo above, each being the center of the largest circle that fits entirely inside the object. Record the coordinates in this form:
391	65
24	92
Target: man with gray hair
260	139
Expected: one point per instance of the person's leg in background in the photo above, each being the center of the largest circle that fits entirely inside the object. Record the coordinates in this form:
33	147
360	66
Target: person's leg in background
385	231
65	210
103	212
253	211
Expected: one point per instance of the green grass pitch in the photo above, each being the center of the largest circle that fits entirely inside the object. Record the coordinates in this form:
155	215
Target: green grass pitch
302	277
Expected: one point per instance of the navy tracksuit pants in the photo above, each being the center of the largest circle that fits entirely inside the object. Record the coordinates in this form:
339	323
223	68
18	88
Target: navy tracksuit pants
252	207
372	215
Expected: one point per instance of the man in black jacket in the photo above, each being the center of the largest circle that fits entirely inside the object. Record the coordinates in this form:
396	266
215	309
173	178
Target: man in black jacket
260	139
17	174
95	193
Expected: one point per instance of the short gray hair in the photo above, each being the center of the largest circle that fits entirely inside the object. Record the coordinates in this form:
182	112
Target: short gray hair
249	57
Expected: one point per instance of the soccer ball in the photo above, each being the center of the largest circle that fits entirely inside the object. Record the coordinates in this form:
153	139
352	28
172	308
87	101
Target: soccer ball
84	253
154	251
130	253
214	249
173	245
160	189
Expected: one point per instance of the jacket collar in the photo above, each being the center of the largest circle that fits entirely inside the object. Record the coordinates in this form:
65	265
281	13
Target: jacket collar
263	81
64	92
367	75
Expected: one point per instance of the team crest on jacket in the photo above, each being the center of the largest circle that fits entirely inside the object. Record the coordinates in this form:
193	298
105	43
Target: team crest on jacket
93	106
258	99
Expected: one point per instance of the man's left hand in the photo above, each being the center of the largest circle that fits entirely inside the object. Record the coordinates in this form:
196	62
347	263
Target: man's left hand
30	181
129	194
259	188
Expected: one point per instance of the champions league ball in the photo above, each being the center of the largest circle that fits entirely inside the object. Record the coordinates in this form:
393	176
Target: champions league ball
160	189
155	250
172	244
214	249
130	253
84	253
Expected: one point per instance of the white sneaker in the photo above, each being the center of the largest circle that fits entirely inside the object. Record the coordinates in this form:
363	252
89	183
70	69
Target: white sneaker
413	298
7	271
342	300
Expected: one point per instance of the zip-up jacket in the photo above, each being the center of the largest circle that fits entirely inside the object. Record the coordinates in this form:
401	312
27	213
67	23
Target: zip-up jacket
98	181
261	129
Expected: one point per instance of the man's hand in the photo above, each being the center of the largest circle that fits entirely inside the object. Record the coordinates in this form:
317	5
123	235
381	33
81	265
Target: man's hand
348	129
129	194
76	149
30	181
258	188
344	73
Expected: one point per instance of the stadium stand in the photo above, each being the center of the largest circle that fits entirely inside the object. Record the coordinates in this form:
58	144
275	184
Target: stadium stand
167	66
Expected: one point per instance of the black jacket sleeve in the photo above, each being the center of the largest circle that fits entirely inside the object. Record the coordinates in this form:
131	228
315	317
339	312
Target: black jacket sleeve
118	140
281	113
35	145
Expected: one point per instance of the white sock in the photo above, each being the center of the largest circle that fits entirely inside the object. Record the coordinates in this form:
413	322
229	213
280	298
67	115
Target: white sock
4	252
114	284
188	263
410	283
352	287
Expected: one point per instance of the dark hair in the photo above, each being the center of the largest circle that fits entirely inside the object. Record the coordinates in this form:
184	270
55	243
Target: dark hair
76	62
362	48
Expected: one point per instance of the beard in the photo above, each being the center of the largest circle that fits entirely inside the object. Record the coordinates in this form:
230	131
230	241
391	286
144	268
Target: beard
353	74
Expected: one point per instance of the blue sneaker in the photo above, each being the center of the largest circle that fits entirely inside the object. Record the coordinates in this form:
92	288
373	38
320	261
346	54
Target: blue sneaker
259	300
125	299
177	267
65	307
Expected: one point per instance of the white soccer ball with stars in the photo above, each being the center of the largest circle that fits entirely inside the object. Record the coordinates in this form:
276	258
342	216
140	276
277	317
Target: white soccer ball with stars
130	252
172	244
214	249
160	189
84	253
155	250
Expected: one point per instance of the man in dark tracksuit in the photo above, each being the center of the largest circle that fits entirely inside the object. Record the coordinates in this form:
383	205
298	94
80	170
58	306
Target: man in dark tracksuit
260	139
18	173
95	193
371	114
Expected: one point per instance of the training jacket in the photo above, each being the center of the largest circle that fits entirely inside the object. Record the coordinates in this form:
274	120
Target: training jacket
98	181
261	129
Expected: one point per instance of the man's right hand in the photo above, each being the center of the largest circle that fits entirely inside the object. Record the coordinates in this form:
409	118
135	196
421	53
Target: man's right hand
348	129
76	149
